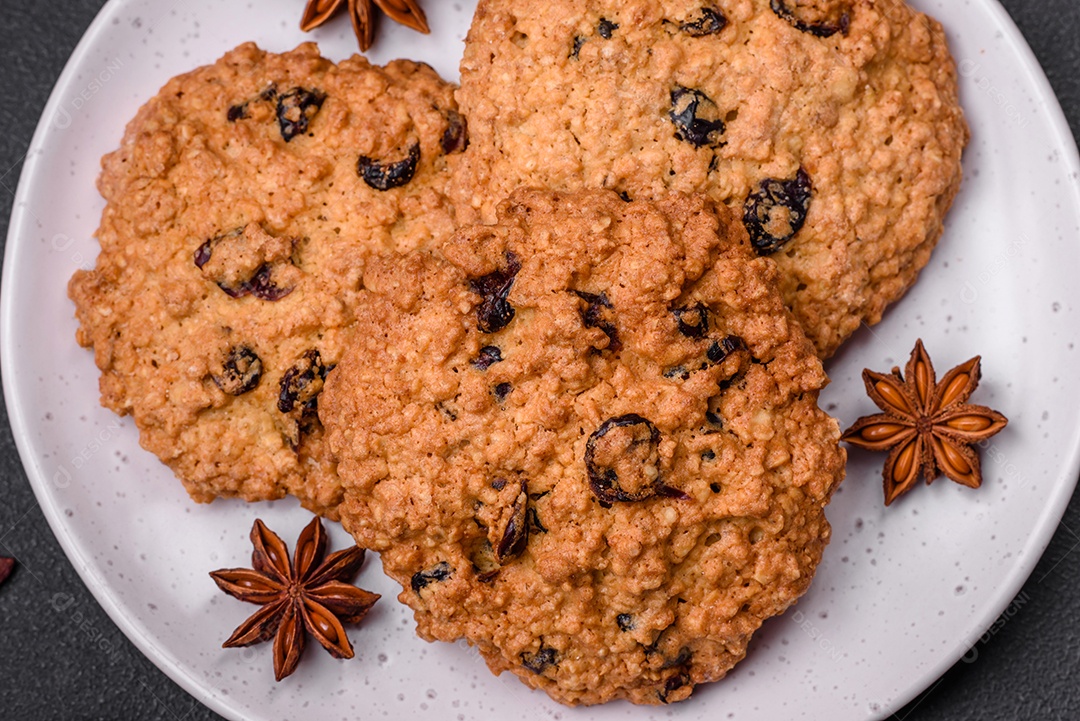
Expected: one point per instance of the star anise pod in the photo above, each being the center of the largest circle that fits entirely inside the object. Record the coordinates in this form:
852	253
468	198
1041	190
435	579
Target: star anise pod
307	593
926	426
406	12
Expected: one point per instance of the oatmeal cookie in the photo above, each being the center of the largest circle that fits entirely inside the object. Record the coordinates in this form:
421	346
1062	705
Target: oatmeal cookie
240	209
831	127
588	442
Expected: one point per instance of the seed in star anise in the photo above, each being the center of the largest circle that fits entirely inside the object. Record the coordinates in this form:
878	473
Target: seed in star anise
927	427
308	593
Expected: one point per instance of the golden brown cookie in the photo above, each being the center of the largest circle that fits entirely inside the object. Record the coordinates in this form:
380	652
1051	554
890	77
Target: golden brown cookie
240	209
588	442
831	127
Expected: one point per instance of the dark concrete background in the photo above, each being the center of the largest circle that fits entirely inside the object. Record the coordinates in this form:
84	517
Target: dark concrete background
87	669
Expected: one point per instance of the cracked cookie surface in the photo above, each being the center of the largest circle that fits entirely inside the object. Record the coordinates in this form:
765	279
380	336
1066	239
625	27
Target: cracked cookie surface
831	127
586	439
240	210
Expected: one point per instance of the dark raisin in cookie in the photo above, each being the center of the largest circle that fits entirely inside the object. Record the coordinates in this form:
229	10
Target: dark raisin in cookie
543	487
233	242
831	127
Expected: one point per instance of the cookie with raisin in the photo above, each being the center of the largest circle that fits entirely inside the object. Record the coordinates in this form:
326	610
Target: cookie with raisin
586	439
831	128
240	209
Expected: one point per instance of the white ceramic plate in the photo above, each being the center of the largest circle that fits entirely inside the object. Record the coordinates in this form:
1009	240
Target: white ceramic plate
903	592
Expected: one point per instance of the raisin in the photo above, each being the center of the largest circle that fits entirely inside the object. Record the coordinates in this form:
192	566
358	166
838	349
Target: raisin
204	251
677	372
240	110
502	391
673	683
481	553
820	29
302	384
298	395
685	104
721	349
236	112
241	371
489	356
234	292
682	659
599	313
625	196
538	662
260	284
456	136
295	109
391	175
625	621
579	40
498	484
534	521
262	287
516	534
605	27
494	312
776	211
439	572
654	647
639	462
680	678
709	455
711	22
693	320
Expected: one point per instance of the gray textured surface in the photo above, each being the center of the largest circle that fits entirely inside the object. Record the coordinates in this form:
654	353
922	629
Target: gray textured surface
77	665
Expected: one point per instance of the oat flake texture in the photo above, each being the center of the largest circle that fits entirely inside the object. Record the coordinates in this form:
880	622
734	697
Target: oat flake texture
233	241
586	439
732	99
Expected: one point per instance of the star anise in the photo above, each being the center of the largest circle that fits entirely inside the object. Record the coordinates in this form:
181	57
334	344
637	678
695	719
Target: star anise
307	593
406	12
927	426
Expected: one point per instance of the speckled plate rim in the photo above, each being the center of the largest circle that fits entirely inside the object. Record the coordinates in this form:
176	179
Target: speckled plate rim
20	418
1070	471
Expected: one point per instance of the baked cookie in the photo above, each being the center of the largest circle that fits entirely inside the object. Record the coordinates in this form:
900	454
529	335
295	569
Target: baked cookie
588	443
831	127
240	209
